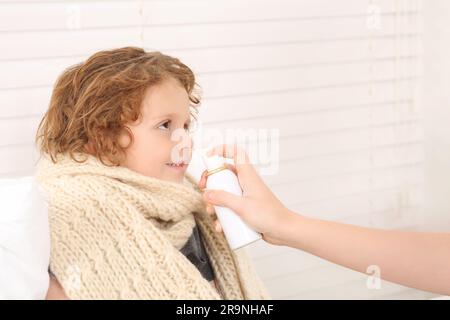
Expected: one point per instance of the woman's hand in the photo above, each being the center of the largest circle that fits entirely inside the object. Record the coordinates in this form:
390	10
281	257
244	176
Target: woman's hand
416	259
258	206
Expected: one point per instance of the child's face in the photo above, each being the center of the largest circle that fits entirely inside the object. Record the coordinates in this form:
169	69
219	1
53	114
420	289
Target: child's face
165	108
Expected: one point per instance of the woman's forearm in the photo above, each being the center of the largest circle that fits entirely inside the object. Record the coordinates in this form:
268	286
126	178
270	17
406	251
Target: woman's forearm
414	259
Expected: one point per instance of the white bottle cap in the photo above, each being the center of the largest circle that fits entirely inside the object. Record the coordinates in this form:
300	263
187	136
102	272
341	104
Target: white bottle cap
213	162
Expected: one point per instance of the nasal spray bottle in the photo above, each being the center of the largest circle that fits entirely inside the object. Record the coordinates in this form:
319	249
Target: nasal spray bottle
237	233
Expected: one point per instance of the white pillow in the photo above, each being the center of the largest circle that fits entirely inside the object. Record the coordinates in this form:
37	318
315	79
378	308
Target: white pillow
24	240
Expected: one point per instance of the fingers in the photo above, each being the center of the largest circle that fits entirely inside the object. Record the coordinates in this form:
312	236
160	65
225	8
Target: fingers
231	167
218	226
246	172
223	199
239	156
203	178
210	209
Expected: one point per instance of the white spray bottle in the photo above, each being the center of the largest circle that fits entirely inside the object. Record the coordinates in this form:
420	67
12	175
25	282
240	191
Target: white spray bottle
237	232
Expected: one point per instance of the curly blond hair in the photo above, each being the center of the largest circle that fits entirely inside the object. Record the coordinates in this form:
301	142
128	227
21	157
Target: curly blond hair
93	101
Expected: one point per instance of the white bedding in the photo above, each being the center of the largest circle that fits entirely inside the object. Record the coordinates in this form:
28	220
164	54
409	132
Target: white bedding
24	240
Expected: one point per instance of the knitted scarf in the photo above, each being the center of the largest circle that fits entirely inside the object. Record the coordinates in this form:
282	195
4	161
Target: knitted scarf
116	234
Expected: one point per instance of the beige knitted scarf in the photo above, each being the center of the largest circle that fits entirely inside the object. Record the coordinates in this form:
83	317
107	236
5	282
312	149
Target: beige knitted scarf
116	234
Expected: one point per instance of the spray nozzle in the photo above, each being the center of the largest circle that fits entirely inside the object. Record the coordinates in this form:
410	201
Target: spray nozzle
213	162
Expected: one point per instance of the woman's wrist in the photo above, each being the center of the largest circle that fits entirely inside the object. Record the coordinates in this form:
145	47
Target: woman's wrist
287	231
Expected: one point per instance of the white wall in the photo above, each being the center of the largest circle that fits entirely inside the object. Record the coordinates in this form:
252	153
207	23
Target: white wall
340	81
436	102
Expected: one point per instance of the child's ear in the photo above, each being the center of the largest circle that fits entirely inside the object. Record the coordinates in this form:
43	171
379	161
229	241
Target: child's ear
90	148
124	138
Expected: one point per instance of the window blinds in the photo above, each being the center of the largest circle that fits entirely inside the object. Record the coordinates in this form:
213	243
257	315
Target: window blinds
340	80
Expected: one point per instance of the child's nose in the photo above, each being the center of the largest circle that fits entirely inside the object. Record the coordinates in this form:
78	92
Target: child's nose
182	149
186	153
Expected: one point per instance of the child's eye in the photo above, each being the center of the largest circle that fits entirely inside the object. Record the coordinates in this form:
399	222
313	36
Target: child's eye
165	125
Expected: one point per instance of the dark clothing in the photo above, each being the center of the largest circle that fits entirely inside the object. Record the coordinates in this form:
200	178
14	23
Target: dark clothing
195	251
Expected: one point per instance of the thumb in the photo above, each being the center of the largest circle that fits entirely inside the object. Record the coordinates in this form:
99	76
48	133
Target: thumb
223	199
